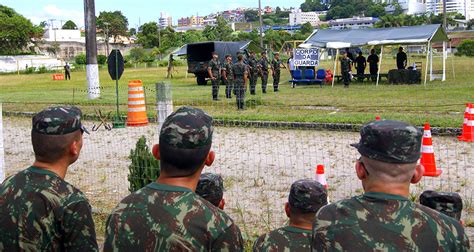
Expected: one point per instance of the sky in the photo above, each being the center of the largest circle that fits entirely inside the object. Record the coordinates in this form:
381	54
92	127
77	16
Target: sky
137	11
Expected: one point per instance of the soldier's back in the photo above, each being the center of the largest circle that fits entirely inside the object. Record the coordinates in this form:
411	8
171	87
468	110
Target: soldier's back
284	239
384	222
167	218
39	211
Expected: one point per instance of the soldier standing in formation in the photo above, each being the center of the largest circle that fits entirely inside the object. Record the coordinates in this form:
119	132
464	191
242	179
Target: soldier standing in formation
240	80
39	210
276	65
228	76
211	188
214	70
170	67
384	218
373	60
67	71
263	65
253	73
305	199
167	215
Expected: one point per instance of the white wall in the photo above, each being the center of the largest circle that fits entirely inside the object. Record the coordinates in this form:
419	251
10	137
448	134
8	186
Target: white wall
63	35
15	63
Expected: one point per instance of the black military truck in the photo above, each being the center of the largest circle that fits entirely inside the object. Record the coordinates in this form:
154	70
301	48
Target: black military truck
199	55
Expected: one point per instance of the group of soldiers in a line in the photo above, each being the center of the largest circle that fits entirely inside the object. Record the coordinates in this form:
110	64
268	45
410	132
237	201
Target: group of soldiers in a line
40	211
235	76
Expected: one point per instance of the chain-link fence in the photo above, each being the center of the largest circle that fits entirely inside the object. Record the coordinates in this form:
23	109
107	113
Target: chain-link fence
260	151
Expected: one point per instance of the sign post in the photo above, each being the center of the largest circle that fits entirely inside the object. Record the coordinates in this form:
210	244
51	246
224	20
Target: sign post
115	66
306	57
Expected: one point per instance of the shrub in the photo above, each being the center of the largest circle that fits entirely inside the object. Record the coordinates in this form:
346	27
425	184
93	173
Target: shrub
101	59
42	69
80	59
144	168
466	47
30	70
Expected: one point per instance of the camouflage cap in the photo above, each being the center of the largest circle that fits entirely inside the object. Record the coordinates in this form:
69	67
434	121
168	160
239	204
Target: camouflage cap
445	202
307	195
390	141
211	187
187	128
59	120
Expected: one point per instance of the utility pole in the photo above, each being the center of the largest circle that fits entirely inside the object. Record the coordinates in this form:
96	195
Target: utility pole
159	38
261	22
444	16
106	38
92	69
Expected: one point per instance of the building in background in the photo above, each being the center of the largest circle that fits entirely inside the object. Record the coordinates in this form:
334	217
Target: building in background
165	20
267	10
55	34
297	17
352	23
464	7
410	7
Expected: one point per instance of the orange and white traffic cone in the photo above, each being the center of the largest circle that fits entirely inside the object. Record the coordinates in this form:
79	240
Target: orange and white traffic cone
427	154
320	176
468	130
464	125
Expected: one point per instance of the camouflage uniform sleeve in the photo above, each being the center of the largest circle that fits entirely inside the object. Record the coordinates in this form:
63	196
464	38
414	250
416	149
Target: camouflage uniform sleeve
230	240
79	228
258	244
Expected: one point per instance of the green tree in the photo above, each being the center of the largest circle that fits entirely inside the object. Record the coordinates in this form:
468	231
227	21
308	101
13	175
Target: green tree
313	5
132	32
376	10
251	15
148	35
220	32
43	24
16	31
192	36
144	168
306	28
69	25
340	12
470	24
114	21
466	47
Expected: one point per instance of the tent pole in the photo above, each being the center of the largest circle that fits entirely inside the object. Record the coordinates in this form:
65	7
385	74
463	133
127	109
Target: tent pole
444	61
380	66
427	61
452	59
431	62
335	66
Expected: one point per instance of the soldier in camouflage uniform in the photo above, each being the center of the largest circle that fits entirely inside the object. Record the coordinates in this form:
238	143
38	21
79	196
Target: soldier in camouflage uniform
276	63
228	76
447	203
253	73
305	199
214	70
211	188
167	215
39	210
384	219
240	81
263	65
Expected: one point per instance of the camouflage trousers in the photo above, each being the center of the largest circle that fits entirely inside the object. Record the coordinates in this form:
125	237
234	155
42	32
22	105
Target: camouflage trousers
253	81
240	94
276	80
264	81
229	86
215	88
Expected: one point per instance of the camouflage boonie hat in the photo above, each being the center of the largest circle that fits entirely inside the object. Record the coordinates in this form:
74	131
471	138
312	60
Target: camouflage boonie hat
59	120
211	187
390	141
307	195
447	203
187	128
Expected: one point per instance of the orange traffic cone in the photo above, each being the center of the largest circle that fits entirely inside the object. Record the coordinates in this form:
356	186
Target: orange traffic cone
427	154
464	125
136	104
320	177
377	118
468	128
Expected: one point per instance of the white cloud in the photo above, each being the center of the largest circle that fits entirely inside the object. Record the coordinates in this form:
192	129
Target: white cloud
54	12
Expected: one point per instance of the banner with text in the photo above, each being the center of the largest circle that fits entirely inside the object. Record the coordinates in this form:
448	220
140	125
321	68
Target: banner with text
306	57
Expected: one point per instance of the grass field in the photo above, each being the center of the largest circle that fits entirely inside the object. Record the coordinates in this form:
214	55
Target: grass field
440	103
